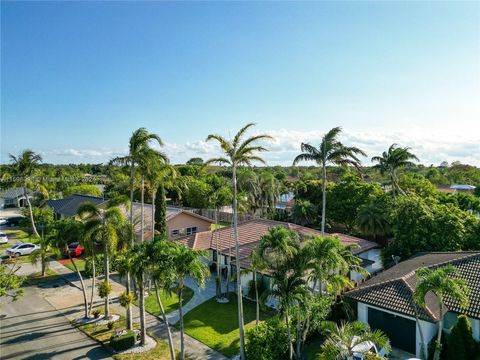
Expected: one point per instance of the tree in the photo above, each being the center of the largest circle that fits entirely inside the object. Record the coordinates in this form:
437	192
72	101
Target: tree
343	340
85	189
461	344
267	341
195	161
139	148
330	151
23	168
303	212
372	220
391	160
187	263
444	284
171	181
238	152
42	255
10	283
102	226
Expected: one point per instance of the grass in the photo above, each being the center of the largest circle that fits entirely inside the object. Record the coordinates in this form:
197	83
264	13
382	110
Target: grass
79	262
170	301
37	278
102	334
216	325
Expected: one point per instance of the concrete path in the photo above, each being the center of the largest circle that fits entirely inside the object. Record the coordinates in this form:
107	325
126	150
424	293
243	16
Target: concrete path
31	328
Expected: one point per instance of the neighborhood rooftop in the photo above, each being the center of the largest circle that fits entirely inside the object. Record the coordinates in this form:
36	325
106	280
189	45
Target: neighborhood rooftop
393	288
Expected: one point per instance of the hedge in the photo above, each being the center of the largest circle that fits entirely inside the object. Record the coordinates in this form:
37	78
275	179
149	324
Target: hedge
123	342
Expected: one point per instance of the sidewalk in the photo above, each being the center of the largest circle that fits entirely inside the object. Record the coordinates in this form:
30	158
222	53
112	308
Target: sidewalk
68	299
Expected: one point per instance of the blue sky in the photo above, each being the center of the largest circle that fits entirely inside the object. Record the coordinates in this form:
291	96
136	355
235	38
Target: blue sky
78	77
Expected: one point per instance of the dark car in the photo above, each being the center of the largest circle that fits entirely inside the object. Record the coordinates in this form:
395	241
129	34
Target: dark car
13	221
75	250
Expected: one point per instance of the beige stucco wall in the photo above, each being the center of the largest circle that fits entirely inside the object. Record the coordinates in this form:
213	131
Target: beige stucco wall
183	221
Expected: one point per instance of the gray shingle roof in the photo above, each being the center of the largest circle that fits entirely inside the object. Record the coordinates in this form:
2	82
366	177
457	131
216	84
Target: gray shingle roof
69	205
14	193
393	288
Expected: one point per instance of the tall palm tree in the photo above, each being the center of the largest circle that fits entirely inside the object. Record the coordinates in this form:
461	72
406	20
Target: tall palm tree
330	151
42	255
139	145
187	263
391	160
303	212
102	225
238	152
372	220
344	339
23	168
445	284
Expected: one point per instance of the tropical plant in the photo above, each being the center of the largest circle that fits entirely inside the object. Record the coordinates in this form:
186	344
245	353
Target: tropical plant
23	169
461	344
372	220
42	255
445	284
10	283
267	341
391	160
187	263
343	340
238	152
330	151
303	212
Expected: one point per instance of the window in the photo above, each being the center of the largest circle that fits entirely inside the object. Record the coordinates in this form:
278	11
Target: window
191	230
175	232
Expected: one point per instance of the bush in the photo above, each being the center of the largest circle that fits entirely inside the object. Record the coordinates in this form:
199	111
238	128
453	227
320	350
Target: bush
104	289
461	344
96	313
267	341
125	299
123	342
110	325
98	265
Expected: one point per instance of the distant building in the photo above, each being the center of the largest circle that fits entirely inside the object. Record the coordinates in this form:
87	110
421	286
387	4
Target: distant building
14	197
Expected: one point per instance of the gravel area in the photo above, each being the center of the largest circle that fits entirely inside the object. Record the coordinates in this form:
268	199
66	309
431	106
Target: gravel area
150	343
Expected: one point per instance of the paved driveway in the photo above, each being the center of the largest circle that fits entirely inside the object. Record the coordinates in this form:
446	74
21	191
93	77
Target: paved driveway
31	328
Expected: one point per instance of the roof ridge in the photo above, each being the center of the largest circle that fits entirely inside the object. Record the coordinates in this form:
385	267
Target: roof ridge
426	308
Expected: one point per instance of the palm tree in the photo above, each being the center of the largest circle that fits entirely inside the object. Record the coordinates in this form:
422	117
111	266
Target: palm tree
444	283
139	145
102	225
23	168
344	339
238	152
372	220
330	151
394	158
187	263
303	212
42	255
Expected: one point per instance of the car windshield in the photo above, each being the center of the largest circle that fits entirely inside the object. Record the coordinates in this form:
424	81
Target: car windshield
16	246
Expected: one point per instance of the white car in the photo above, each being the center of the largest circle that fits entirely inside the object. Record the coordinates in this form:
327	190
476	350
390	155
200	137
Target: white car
3	221
21	249
3	238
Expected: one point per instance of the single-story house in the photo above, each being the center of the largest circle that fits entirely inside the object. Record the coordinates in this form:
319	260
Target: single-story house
14	197
385	301
249	236
179	222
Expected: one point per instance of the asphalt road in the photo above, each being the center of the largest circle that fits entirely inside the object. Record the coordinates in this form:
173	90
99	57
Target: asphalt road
31	328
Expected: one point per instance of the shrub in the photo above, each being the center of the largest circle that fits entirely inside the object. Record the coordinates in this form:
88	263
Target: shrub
260	286
444	347
123	342
125	299
461	344
96	313
104	289
110	325
267	341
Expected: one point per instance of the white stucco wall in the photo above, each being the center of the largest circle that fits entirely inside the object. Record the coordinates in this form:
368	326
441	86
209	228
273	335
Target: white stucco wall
475	328
373	255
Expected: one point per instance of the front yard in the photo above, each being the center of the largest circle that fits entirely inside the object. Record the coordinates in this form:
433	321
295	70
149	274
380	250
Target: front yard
216	325
170	301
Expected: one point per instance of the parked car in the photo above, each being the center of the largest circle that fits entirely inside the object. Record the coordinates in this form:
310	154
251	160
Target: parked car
3	220
21	249
3	238
13	221
75	250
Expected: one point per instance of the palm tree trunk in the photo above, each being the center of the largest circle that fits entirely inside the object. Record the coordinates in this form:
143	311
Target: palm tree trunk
94	275
128	277
324	196
299	332
106	265
165	320
143	325
438	344
219	279
30	212
257	305
82	283
237	266
142	216
154	195
290	345
180	302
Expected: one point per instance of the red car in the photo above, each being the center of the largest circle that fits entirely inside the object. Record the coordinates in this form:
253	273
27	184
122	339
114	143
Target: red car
75	250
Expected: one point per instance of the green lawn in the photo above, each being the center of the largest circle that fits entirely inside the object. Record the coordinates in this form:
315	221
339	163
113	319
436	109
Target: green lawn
216	325
37	277
79	262
170	301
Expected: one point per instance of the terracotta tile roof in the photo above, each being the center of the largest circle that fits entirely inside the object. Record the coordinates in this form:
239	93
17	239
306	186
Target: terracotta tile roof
250	233
393	288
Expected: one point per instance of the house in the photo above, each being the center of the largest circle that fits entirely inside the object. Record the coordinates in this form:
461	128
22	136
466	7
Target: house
462	187
385	301
179	222
14	197
249	236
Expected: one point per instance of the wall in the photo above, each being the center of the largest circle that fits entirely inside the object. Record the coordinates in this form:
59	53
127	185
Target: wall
183	221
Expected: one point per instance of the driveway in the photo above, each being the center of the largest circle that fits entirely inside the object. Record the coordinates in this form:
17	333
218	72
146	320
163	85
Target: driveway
31	328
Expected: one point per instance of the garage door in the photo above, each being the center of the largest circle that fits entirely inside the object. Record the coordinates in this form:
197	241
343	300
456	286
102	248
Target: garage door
399	330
